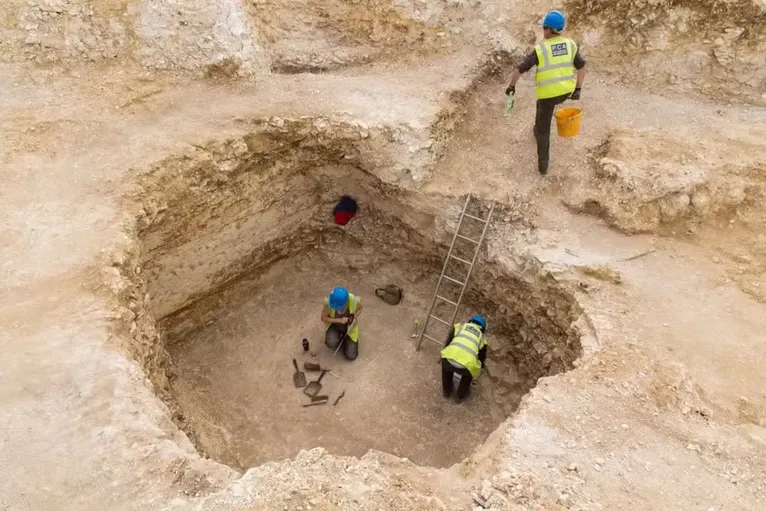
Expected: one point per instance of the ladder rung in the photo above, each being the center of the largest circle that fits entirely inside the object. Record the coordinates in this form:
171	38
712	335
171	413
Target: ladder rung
432	339
453	280
440	320
475	218
470	265
469	239
446	300
460	259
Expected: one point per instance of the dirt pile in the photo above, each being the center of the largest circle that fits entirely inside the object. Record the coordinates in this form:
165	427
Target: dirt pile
708	190
182	35
654	181
321	481
52	31
714	47
307	36
246	37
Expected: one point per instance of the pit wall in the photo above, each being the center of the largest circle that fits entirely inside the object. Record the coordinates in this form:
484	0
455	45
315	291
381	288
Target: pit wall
254	191
134	326
374	242
538	316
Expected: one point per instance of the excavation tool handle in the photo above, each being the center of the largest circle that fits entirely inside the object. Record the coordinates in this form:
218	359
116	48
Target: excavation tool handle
351	324
321	375
343	338
295	363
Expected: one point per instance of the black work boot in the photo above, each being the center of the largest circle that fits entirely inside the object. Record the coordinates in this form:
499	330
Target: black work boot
542	167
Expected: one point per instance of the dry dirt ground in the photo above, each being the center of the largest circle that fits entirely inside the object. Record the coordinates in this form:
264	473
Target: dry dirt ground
237	374
666	408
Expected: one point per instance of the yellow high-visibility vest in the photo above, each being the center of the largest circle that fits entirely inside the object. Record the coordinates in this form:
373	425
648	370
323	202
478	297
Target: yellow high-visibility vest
465	346
353	303
555	74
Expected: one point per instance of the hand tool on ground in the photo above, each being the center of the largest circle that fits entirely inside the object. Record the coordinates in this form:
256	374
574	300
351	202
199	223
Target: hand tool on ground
315	403
305	343
338	398
343	338
311	366
314	399
299	379
313	388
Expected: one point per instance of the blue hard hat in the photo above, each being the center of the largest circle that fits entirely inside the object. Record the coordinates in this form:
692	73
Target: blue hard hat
554	20
338	298
479	320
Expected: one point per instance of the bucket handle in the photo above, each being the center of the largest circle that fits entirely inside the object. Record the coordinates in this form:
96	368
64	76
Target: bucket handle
575	101
582	107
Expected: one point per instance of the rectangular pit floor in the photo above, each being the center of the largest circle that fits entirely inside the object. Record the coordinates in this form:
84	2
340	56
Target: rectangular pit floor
234	376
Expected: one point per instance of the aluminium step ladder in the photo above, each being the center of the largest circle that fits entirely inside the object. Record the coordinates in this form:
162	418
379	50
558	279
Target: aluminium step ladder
438	297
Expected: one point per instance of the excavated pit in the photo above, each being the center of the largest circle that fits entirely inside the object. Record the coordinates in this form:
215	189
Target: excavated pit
238	251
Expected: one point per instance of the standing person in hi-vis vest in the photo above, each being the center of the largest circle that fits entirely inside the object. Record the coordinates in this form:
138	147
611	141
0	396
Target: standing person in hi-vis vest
464	354
340	315
560	75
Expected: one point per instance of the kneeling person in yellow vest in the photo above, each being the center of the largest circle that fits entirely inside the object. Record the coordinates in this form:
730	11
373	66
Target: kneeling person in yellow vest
464	354
341	317
560	75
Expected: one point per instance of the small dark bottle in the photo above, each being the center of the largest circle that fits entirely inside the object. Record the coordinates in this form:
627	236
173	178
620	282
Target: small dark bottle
305	344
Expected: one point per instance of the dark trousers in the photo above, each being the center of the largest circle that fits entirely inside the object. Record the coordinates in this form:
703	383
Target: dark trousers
447	374
542	129
335	335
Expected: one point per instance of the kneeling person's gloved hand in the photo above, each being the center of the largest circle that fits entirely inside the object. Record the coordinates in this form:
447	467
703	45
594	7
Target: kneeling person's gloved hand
576	93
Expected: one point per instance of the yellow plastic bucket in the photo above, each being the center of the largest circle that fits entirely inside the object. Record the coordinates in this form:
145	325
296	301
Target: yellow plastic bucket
568	121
